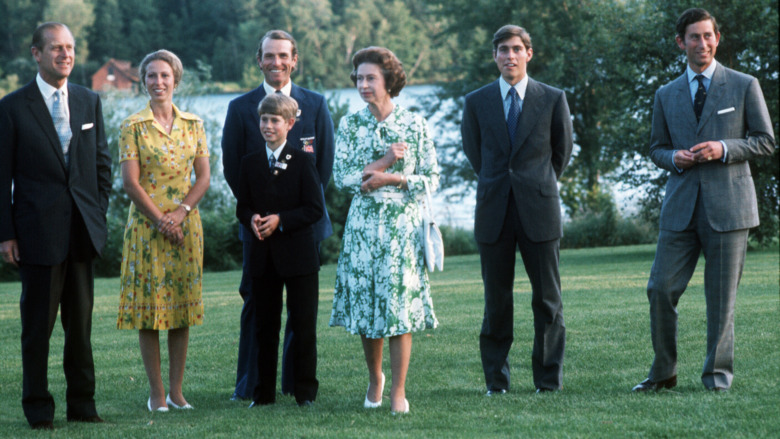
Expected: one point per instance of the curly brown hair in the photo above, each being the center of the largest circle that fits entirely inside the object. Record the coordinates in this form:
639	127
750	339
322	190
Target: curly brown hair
391	67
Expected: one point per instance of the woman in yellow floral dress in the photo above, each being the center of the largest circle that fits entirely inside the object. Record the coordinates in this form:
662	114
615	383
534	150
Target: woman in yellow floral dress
162	258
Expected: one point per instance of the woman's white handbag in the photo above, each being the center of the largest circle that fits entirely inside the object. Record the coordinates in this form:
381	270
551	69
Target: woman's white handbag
433	245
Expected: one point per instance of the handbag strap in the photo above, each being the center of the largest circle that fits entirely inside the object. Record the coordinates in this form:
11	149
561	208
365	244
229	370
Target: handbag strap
428	199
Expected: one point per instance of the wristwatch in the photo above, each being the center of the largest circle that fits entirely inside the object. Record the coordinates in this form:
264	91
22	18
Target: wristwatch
187	207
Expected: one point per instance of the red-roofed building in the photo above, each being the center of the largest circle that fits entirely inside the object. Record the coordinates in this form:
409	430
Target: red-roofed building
116	74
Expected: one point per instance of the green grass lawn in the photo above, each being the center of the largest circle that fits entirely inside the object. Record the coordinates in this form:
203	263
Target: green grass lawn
608	352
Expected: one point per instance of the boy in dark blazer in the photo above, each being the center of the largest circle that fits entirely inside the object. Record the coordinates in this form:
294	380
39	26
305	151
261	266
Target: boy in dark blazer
279	201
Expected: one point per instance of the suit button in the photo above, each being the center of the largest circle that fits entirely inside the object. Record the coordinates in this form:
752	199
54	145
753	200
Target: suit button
511	171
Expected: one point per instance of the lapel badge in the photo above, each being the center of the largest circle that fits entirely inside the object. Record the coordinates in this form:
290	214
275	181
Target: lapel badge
288	157
279	165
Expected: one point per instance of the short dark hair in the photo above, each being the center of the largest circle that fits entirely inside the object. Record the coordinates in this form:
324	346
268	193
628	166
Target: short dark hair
39	36
694	15
508	31
276	35
278	104
162	55
391	67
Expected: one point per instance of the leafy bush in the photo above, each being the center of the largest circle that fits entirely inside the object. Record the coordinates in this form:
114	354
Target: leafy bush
458	241
605	229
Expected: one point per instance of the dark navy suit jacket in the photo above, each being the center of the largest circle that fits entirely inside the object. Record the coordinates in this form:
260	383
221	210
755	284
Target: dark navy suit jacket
312	134
291	192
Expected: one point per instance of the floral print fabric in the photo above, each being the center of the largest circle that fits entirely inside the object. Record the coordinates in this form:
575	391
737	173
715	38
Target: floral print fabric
160	284
382	287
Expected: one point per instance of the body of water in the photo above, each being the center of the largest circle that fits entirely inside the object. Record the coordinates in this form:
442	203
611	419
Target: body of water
213	108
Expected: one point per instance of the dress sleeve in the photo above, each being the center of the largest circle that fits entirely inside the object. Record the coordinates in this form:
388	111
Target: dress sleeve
347	167
128	141
427	168
201	146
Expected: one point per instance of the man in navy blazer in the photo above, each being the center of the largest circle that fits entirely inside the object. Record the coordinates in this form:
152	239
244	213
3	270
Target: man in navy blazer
277	56
517	135
55	177
707	124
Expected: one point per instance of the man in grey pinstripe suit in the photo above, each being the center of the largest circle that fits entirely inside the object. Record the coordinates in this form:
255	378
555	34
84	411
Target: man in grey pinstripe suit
707	124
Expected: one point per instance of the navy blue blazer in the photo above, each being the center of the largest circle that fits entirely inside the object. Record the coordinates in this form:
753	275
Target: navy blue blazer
291	190
312	134
39	211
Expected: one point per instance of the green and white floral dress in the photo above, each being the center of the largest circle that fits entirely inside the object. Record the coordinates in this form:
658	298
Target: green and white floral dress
382	287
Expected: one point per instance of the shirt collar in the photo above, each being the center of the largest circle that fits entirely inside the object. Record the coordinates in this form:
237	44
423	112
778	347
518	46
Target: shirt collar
47	90
276	153
520	87
285	90
707	73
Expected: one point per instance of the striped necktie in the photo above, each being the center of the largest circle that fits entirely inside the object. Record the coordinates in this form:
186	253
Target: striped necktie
61	123
271	162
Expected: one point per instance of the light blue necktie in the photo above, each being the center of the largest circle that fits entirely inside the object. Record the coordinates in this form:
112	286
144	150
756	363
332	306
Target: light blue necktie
514	113
271	162
61	123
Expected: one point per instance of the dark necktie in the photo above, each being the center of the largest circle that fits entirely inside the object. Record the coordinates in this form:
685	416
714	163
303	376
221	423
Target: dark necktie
701	96
514	114
271	162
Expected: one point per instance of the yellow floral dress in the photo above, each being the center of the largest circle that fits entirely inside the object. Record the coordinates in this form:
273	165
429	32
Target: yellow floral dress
160	282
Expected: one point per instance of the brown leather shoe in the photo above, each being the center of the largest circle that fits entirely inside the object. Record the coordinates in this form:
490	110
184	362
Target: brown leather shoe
647	385
93	419
42	425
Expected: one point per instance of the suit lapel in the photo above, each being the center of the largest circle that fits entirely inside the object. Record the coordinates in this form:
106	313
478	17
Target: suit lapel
41	114
683	95
76	105
714	94
493	110
257	96
530	113
297	130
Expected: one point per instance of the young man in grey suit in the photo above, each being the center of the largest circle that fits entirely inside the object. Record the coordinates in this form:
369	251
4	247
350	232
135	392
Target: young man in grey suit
55	177
707	124
277	56
517	134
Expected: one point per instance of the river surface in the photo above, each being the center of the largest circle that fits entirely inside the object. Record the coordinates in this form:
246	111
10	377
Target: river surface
213	108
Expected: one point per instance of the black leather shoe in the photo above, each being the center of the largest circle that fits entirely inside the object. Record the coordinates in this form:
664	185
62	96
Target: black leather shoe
42	425
258	404
647	385
93	419
544	390
495	392
306	403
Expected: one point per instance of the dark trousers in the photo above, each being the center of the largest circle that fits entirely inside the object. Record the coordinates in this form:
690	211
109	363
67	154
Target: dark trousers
498	274
69	287
675	261
302	302
246	370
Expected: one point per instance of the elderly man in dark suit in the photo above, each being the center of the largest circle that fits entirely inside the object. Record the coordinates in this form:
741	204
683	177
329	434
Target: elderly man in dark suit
707	124
277	56
55	177
517	134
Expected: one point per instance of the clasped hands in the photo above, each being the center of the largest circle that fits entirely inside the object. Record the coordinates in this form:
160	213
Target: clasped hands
374	176
699	153
264	226
170	225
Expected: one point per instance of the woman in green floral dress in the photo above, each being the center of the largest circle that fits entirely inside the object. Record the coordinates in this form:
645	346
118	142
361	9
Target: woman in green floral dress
385	157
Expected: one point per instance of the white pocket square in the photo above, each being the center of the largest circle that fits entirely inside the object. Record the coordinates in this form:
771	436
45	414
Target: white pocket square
87	126
726	110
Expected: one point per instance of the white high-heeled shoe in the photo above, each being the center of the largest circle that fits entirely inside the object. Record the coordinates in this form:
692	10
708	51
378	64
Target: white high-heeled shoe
176	406
158	409
372	405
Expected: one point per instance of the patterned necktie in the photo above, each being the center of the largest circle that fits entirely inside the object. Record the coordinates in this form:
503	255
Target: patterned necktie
514	114
271	162
61	123
701	96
